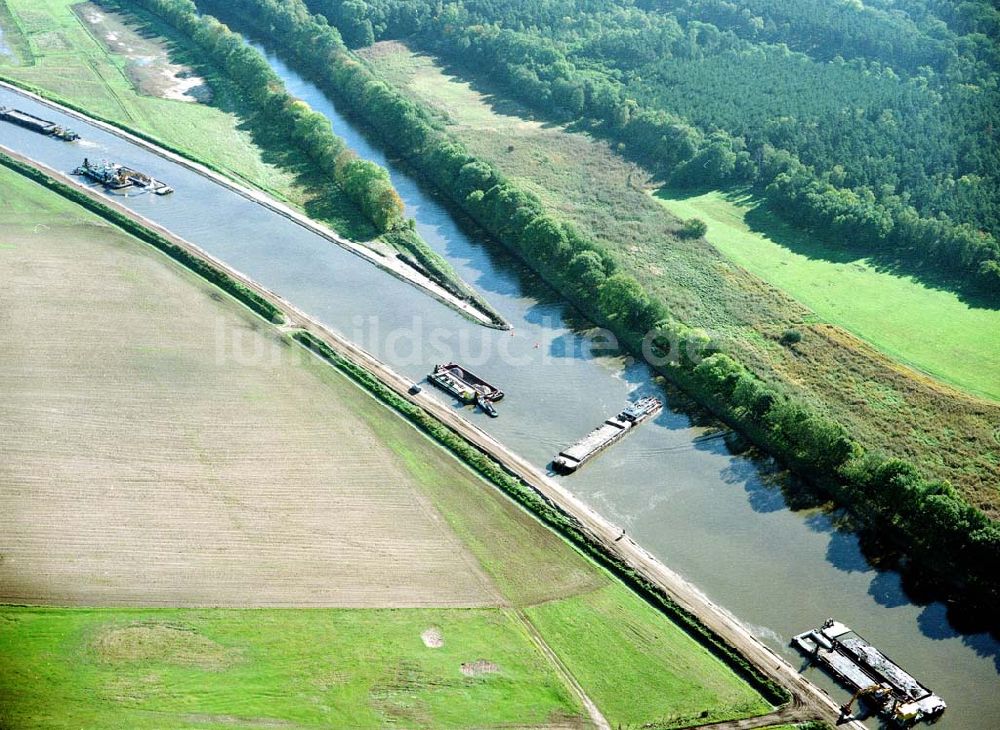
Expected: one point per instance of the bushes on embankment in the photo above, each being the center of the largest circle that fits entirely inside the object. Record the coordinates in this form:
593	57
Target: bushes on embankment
221	279
547	512
364	182
569	78
945	538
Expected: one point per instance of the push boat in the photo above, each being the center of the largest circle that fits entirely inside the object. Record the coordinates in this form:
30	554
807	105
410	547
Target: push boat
37	124
870	674
486	406
610	432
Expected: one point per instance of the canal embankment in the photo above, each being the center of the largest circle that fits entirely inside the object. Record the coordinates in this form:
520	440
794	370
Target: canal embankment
550	501
393	265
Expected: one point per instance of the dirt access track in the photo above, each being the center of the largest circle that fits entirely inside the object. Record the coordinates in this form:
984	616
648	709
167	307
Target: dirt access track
809	702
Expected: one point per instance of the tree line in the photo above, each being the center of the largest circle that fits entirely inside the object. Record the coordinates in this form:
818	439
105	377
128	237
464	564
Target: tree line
366	184
886	121
586	274
553	516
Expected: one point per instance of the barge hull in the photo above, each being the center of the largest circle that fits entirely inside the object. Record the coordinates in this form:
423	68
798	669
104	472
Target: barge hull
608	433
869	673
36	124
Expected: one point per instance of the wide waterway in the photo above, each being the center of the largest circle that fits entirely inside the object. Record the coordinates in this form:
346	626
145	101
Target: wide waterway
717	518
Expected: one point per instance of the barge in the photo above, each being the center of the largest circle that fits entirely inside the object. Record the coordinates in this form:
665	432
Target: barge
115	177
37	124
869	674
464	385
608	433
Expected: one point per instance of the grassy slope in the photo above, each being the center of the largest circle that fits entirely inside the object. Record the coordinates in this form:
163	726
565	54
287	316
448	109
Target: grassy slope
886	406
615	627
930	329
72	65
368	665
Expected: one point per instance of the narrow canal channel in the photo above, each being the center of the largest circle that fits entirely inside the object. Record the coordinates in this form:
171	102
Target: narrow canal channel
717	518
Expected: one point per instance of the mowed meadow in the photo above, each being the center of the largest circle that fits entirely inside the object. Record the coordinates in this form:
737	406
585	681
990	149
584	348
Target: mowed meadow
131	70
932	330
205	526
884	403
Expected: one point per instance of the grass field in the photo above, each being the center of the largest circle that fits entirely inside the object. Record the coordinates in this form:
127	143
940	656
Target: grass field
930	329
74	61
885	404
164	447
616	626
272	668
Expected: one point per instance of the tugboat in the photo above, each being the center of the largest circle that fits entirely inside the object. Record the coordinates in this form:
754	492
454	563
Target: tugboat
466	386
609	432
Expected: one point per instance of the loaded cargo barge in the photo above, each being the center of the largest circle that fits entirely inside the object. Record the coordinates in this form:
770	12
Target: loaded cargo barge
115	177
466	386
609	432
37	124
870	674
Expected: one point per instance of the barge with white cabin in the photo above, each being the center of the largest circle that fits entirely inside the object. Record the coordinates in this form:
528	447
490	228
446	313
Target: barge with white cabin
608	433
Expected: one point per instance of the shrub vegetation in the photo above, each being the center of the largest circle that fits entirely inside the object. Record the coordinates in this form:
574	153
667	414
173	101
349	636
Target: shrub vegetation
835	112
810	442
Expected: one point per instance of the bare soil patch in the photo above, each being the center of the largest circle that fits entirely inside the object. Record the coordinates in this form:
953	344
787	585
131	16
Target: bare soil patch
479	668
243	722
148	65
162	642
432	638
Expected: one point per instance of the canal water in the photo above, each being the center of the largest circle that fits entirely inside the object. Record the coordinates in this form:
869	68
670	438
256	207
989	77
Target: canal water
717	518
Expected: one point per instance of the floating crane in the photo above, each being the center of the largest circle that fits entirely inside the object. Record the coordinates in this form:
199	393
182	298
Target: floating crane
114	176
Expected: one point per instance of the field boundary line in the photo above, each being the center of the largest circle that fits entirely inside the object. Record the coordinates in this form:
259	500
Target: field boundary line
808	700
596	716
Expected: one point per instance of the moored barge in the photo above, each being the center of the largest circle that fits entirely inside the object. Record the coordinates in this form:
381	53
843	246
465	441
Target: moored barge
608	433
37	124
869	674
115	177
465	385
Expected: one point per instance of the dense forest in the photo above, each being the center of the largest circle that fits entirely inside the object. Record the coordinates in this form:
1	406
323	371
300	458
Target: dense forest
960	555
875	124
